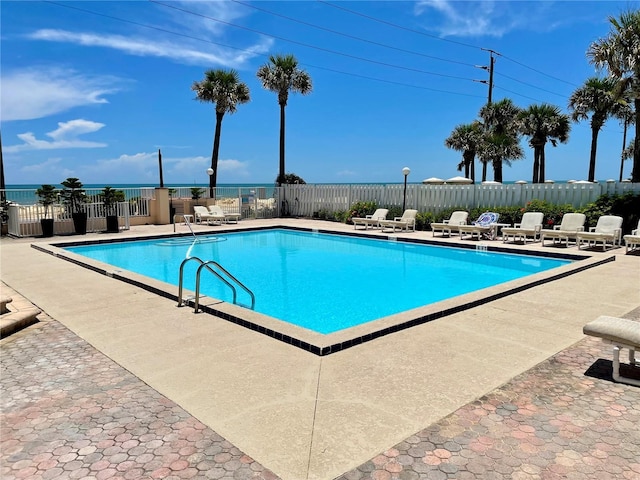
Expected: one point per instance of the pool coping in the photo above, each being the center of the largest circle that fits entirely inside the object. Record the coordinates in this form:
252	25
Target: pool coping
327	344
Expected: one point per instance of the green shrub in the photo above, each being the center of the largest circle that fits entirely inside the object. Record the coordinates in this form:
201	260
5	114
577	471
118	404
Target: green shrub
361	210
626	206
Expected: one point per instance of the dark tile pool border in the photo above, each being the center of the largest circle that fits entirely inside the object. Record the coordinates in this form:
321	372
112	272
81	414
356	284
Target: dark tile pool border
312	342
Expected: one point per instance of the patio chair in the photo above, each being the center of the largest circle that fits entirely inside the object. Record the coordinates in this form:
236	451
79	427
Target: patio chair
608	230
632	241
485	226
456	219
202	214
218	213
571	224
529	226
621	333
406	222
372	220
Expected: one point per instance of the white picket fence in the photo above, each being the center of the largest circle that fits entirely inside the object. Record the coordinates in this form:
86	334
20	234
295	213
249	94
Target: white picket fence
305	200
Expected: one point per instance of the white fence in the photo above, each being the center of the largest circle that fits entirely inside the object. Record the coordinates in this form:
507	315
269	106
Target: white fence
24	220
305	200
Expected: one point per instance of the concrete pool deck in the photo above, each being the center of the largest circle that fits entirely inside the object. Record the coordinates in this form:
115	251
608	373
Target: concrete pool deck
308	417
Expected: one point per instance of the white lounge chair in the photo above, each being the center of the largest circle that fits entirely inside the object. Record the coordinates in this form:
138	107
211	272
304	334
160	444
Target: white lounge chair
202	215
571	224
632	241
621	333
218	213
485	226
372	220
406	222
529	226
608	230
456	219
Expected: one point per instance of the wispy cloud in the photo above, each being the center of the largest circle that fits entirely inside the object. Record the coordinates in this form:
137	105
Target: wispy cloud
65	136
477	19
145	47
39	92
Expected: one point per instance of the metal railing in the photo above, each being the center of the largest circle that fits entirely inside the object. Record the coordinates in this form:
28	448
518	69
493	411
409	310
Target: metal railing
222	274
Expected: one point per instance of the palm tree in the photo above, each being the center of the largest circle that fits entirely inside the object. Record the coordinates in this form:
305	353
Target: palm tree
226	91
501	137
626	115
282	75
619	53
465	138
595	97
543	123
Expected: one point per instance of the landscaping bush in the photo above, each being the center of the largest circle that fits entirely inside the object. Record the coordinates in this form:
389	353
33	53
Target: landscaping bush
361	210
626	206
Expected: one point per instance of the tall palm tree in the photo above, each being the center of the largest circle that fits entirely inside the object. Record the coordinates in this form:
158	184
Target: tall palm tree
226	91
627	116
282	75
619	53
501	137
596	97
465	139
543	123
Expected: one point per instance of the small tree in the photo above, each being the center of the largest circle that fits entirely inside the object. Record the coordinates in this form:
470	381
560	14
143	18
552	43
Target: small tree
110	198
292	179
47	196
73	194
196	193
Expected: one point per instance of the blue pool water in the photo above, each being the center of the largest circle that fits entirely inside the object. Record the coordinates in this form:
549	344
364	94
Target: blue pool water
320	281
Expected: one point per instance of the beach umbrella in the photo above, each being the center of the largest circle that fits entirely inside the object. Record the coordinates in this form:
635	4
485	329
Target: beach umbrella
549	181
491	182
433	181
459	180
521	182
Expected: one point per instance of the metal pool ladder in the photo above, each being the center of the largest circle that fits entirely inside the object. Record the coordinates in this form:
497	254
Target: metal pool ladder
221	273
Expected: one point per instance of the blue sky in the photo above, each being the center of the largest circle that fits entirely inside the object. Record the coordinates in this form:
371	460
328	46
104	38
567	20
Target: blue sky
93	89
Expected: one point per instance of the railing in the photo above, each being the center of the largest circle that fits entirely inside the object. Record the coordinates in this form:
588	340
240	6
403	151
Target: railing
24	220
225	277
306	200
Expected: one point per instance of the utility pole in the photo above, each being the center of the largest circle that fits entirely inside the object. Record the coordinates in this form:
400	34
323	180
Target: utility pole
492	61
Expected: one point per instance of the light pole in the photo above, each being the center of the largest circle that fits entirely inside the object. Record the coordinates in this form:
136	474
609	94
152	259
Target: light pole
210	173
405	171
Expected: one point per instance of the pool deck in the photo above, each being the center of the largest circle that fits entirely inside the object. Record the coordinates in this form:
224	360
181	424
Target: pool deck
116	382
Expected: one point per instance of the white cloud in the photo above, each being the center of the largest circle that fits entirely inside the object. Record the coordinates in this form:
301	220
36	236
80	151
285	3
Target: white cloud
39	92
475	19
65	136
145	47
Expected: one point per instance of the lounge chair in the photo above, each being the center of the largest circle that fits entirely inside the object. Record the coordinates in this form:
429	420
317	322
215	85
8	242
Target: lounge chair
621	333
484	226
456	219
608	230
372	220
571	224
406	222
632	241
218	213
529	226
202	215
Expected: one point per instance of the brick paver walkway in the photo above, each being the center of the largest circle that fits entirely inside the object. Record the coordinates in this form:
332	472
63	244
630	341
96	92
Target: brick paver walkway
68	411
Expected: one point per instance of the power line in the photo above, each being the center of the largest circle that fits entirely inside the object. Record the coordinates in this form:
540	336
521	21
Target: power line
353	37
315	47
419	32
163	30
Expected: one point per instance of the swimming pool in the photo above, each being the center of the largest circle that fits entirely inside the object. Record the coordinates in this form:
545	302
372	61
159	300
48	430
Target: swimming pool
323	282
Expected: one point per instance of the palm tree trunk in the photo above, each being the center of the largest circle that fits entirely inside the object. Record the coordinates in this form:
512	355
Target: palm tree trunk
484	171
536	165
282	123
624	144
214	155
541	175
592	157
473	169
497	170
635	173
